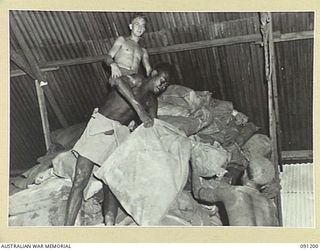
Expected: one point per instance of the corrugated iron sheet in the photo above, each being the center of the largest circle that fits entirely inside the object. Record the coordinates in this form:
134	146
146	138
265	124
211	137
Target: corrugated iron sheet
26	139
295	84
297	195
234	72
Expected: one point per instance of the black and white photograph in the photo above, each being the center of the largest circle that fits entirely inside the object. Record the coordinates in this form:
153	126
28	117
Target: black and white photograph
161	119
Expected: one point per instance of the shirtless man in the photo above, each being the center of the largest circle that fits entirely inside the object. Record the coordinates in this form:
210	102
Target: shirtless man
126	54
245	205
131	98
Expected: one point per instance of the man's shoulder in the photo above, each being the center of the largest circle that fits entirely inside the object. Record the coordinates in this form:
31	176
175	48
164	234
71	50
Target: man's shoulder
144	50
120	39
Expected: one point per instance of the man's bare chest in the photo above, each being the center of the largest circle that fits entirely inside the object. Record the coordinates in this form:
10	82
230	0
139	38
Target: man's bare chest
131	48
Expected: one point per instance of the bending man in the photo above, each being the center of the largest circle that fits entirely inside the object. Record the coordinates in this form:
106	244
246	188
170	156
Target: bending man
132	98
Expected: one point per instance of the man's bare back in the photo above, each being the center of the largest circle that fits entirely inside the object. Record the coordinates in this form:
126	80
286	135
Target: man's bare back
245	205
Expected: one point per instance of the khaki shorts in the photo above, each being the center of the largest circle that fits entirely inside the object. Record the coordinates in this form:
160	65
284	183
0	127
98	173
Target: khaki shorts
100	138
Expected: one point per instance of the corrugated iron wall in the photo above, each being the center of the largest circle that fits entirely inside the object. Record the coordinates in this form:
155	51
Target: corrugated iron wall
233	72
295	84
294	67
297	195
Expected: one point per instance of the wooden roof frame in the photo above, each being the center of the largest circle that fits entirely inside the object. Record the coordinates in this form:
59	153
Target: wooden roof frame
29	65
255	38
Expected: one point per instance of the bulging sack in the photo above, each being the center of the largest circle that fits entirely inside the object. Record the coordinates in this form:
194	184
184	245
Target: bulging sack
210	160
148	171
261	170
258	144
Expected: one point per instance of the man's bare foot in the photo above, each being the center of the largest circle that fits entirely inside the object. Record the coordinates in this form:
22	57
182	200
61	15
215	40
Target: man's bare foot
109	220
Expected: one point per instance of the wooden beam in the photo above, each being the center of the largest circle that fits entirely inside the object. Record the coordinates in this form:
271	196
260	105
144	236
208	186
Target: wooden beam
268	46
295	36
205	44
256	38
31	67
230	41
35	73
277	128
43	114
297	155
74	61
19	72
22	64
18	60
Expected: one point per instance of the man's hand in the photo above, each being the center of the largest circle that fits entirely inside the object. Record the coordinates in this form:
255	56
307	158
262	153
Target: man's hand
115	71
146	119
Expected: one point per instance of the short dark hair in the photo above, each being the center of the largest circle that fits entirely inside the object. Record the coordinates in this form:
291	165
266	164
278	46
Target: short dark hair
138	15
166	68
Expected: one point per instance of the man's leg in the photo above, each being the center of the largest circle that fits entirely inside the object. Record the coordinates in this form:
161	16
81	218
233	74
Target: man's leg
110	206
82	175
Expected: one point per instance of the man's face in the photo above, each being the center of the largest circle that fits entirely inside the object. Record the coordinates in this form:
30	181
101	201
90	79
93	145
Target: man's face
138	26
161	83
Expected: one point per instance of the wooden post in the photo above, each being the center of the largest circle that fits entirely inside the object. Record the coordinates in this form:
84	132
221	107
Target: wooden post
44	114
268	44
23	64
277	128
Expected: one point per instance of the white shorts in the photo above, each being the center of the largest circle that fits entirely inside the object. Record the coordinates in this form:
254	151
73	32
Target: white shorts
100	138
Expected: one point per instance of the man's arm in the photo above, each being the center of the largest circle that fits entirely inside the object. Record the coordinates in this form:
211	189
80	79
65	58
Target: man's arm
152	106
123	87
115	71
145	61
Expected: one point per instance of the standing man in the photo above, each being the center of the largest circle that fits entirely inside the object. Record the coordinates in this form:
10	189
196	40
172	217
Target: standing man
131	98
126	54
